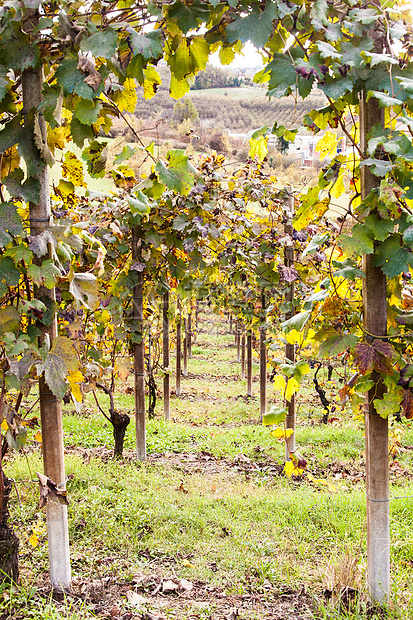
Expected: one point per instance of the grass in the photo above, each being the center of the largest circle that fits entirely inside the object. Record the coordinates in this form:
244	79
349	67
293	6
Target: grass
211	506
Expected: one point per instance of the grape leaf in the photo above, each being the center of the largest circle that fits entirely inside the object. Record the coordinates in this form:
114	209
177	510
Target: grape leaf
101	43
84	288
179	175
60	361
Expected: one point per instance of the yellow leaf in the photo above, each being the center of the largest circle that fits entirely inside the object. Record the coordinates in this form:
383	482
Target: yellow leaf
10	161
4	425
258	148
33	540
151	83
75	378
187	563
292	388
38	437
289	468
279	383
327	145
72	169
280	433
123	369
338	188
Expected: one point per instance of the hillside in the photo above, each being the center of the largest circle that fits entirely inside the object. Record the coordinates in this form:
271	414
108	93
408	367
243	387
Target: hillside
237	110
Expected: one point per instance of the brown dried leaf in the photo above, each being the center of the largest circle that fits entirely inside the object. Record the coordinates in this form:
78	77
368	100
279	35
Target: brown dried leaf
364	357
169	586
407	404
135	599
48	487
182	489
86	65
289	274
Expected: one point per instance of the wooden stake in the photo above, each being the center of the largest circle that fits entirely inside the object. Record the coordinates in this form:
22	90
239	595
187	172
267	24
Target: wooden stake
178	350
50	407
249	363
185	349
376	431
189	337
243	354
238	341
263	361
165	356
139	352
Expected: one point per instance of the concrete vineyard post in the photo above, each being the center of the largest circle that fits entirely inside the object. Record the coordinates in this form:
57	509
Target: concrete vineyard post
376	428
290	348
263	360
50	406
139	352
178	350
185	349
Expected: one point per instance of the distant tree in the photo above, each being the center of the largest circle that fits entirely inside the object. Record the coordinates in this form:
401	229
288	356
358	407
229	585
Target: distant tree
282	145
184	110
214	77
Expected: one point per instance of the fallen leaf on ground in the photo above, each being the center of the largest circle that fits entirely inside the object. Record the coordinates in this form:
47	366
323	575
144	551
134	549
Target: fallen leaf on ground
182	489
169	586
134	598
185	585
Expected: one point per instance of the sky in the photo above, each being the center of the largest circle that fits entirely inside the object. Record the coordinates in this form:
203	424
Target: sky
249	58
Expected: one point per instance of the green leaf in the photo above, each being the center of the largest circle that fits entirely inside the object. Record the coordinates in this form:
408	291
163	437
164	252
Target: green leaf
179	175
85	289
149	45
126	153
360	242
4	82
347	269
392	257
10	223
46	274
385	101
61	360
315	243
189	15
296	322
28	190
256	27
378	167
389	404
282	75
18	50
87	112
381	228
139	204
80	132
180	222
336	344
71	79
276	415
8	272
328	51
101	44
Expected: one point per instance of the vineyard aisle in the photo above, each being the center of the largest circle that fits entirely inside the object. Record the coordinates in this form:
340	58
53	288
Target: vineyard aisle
209	526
